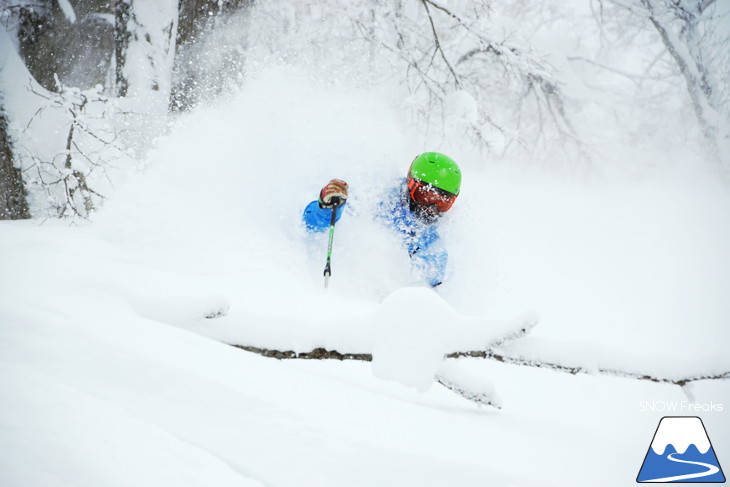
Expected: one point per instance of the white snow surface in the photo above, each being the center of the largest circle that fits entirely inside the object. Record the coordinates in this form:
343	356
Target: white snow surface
114	363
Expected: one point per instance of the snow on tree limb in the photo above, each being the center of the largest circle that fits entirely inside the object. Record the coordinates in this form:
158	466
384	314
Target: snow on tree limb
71	177
450	55
468	385
505	357
695	36
499	356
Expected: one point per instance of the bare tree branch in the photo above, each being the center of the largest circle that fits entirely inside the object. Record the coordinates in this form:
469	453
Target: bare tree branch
438	44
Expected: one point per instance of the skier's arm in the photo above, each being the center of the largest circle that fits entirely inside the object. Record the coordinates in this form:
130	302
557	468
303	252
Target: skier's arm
317	219
332	197
429	257
423	243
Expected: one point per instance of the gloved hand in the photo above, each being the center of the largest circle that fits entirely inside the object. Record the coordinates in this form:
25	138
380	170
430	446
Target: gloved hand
333	194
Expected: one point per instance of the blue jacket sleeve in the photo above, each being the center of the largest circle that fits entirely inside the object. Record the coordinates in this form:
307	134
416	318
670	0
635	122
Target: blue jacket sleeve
422	241
317	219
429	257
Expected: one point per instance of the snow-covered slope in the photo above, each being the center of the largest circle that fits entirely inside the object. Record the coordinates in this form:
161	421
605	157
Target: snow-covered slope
110	376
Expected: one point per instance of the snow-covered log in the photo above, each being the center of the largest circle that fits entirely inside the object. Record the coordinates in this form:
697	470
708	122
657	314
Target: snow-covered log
504	357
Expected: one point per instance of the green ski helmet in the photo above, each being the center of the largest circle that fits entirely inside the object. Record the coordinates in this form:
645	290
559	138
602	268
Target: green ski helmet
433	182
438	170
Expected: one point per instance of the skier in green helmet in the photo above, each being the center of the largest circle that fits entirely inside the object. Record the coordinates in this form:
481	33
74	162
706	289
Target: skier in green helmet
412	208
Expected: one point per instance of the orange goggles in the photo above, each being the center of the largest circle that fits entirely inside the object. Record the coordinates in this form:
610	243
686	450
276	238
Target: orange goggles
426	194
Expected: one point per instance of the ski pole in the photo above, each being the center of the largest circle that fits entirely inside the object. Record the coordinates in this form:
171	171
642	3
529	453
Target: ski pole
327	267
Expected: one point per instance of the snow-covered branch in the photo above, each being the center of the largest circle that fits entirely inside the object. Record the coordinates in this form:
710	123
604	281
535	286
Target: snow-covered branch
464	71
515	359
695	36
67	176
500	356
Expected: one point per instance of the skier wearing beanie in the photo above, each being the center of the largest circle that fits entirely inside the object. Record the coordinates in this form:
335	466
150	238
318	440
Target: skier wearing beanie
412	208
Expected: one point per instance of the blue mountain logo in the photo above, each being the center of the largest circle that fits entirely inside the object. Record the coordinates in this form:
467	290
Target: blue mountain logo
681	452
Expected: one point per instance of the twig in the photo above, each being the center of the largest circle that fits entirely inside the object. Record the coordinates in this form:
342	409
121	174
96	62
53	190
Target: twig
438	44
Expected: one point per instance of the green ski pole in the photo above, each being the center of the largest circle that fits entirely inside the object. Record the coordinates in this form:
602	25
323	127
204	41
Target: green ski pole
327	267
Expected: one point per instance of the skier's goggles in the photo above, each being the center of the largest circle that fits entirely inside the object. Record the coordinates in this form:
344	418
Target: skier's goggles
427	194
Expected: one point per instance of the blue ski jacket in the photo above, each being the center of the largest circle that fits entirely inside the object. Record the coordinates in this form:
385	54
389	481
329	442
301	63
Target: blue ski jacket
421	240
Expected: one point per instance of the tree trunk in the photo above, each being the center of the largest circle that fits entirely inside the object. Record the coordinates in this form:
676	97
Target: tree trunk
122	36
678	25
144	48
197	75
13	202
76	48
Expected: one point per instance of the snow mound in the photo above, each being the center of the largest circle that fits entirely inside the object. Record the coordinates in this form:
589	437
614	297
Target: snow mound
415	328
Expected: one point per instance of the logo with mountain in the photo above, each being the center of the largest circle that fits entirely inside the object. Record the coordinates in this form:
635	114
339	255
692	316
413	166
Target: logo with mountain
681	452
